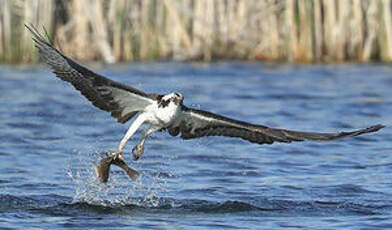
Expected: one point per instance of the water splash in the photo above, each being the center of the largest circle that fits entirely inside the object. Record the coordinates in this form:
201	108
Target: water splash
120	190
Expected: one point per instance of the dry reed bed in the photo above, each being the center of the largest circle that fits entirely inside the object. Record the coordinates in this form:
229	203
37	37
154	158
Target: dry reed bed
274	30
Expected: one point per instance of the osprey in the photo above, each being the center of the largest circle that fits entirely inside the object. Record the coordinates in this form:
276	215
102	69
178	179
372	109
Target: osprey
162	112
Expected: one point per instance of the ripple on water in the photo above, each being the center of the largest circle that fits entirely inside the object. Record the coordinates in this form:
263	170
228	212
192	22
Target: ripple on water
51	139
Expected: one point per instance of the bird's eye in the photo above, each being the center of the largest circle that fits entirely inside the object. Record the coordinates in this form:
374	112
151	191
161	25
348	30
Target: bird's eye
177	94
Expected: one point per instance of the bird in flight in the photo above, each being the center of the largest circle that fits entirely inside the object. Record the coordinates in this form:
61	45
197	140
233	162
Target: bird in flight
161	112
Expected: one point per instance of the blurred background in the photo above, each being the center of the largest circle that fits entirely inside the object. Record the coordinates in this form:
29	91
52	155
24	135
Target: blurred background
271	30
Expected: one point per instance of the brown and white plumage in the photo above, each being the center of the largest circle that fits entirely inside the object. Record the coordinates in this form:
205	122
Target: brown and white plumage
198	123
164	112
122	101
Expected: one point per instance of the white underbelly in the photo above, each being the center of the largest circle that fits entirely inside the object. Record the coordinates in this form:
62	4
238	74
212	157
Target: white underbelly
162	116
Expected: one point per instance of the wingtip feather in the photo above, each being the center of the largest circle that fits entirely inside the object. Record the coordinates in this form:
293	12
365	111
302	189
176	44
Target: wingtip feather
377	127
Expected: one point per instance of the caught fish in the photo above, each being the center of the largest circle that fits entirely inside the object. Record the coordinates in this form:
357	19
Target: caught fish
103	169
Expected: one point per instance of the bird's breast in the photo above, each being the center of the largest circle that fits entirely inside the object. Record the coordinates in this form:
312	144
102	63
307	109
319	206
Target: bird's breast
163	116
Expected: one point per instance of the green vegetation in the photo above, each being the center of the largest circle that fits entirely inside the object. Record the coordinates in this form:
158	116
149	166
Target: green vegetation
272	30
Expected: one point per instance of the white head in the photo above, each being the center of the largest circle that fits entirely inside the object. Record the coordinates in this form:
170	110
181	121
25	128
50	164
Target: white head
176	98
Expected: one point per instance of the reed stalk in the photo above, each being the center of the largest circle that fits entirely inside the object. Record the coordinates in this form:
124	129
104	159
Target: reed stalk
387	10
272	30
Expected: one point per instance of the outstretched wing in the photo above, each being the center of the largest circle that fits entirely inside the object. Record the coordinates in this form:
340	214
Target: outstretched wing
122	101
198	123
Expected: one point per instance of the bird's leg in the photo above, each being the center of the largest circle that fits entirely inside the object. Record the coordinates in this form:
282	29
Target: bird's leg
139	149
132	129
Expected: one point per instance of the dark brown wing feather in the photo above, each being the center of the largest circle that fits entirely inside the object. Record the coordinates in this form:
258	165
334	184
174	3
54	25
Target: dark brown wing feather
122	101
198	123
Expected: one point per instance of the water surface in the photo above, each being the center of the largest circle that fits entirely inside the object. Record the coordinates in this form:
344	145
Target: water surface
51	138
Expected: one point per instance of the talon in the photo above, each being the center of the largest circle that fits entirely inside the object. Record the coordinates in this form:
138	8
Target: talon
137	152
110	153
135	157
115	155
135	149
119	156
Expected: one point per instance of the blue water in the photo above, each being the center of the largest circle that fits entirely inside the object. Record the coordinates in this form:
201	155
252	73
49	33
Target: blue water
51	138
